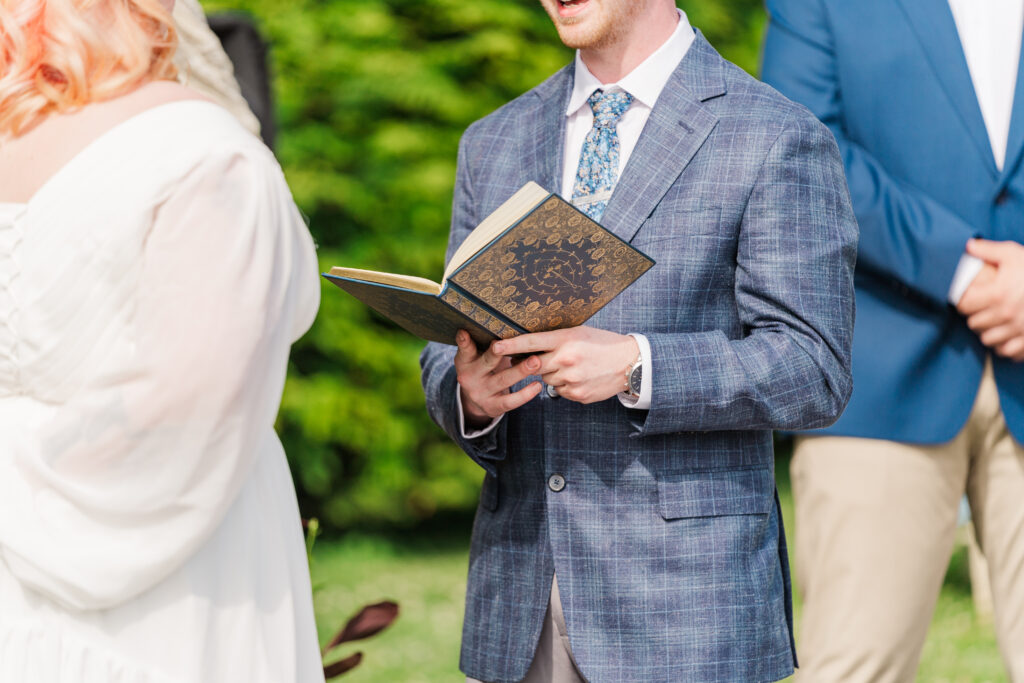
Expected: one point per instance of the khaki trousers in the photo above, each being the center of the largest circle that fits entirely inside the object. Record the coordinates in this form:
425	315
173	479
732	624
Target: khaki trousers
553	661
875	524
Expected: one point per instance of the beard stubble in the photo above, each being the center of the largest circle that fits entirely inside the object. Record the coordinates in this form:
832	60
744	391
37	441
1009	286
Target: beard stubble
616	20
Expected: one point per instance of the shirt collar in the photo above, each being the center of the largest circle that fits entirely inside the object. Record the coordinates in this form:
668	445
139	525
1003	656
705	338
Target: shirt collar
646	81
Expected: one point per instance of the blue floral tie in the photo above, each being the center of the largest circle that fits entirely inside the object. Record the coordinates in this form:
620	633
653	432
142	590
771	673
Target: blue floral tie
599	161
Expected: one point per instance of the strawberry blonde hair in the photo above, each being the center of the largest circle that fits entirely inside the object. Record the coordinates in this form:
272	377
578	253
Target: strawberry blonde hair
59	55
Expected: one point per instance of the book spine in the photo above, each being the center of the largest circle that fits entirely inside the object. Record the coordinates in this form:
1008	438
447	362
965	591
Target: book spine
474	311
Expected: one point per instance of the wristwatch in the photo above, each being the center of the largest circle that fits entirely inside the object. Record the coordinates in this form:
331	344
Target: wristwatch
635	376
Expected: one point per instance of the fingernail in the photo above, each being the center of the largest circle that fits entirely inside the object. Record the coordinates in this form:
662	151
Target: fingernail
498	348
533	363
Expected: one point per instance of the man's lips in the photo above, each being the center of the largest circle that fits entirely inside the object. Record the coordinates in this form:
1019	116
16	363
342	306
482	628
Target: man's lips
570	8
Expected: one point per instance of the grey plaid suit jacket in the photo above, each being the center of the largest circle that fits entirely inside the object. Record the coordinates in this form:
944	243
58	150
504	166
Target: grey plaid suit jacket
667	538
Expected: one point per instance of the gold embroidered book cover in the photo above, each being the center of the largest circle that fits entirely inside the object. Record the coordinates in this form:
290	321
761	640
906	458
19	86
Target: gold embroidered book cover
537	263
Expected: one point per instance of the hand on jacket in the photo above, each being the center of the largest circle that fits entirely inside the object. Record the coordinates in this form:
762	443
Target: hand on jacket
994	301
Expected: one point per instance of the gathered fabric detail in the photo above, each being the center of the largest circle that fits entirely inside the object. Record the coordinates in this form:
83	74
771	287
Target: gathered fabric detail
38	653
10	273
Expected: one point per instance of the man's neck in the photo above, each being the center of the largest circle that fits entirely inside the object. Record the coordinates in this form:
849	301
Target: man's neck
613	62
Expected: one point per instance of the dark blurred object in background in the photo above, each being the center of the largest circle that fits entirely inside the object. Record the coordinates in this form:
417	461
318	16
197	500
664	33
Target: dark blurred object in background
248	53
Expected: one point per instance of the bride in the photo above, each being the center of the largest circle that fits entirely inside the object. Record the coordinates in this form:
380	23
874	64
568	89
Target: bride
153	273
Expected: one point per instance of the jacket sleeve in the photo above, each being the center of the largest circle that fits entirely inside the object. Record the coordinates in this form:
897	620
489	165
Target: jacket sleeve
437	360
790	369
906	236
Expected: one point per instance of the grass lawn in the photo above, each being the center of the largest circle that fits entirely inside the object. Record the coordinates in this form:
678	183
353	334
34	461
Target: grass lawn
426	575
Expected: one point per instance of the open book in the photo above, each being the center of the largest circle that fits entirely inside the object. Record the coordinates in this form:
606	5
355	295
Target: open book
537	263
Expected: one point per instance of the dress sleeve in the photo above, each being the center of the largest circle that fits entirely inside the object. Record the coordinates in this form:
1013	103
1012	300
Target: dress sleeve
117	488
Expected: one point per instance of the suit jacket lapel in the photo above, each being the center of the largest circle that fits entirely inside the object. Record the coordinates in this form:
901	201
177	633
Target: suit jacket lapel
675	130
1015	141
935	29
545	138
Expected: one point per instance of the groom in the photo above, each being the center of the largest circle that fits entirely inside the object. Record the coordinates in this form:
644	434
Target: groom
630	530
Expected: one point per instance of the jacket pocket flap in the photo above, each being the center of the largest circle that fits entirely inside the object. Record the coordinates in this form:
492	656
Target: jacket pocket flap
716	493
678	225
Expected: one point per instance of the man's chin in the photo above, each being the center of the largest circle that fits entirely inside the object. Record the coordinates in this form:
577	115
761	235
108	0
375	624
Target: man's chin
580	37
571	35
582	29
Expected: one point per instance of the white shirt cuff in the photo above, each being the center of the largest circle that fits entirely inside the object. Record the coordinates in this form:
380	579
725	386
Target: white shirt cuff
643	402
476	433
966	271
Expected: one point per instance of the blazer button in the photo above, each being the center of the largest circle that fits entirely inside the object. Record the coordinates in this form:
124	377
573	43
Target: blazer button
1002	197
551	391
556	482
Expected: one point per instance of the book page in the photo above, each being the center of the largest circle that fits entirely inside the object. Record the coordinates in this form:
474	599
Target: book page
518	205
417	284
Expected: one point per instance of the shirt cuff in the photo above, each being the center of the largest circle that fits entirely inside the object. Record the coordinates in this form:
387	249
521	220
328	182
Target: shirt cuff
965	272
643	402
475	433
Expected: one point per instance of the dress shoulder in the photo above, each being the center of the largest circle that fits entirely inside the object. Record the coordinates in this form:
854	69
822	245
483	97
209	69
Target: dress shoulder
139	162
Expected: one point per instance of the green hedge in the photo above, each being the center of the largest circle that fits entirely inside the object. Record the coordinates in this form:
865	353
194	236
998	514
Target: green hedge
372	96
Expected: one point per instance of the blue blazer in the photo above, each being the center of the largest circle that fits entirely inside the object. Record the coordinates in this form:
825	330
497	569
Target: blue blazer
890	80
666	537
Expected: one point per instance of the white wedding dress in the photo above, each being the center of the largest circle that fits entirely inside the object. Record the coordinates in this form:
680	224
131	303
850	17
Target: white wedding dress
149	294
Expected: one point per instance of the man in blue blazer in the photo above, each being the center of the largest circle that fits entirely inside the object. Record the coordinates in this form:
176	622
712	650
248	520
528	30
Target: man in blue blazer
636	535
920	96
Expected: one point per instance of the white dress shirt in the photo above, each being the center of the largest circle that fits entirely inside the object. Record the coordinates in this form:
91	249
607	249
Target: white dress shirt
645	84
990	34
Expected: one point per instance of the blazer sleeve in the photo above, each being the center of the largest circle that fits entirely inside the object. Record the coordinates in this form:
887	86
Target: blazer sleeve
790	368
905	235
437	360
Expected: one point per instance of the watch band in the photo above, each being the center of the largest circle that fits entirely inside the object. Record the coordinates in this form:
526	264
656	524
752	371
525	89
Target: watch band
629	374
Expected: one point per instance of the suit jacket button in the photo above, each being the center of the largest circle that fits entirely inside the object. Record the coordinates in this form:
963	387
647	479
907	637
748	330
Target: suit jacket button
551	391
1003	196
556	482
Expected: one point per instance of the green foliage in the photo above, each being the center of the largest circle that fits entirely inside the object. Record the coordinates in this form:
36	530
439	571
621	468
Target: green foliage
372	97
734	27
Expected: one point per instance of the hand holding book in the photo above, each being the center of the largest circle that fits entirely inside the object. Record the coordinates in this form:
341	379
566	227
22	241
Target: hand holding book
582	364
486	379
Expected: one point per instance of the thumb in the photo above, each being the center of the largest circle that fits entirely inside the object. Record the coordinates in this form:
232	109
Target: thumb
986	250
467	351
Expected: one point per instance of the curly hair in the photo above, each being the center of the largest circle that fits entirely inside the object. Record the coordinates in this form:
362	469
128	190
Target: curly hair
59	55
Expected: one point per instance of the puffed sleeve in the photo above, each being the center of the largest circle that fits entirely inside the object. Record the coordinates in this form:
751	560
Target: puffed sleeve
115	489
